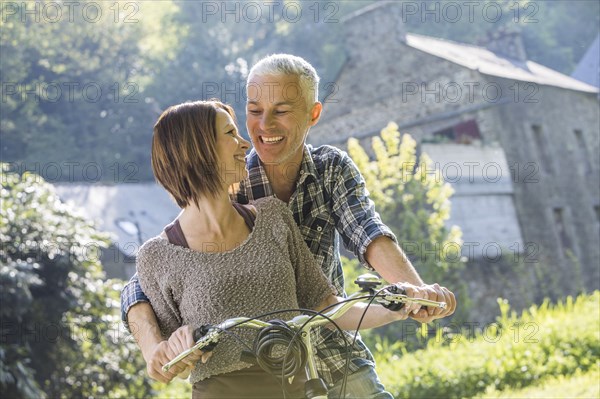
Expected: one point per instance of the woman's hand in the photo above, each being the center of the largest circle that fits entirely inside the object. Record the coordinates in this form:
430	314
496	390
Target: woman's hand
183	339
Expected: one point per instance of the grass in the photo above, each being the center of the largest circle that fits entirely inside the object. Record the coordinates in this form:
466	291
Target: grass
554	340
579	385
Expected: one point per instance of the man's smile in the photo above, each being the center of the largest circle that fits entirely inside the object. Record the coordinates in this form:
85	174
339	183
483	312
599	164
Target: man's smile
271	139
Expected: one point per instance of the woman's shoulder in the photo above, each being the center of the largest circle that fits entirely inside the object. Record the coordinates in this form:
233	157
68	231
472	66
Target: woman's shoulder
269	204
271	209
274	215
152	249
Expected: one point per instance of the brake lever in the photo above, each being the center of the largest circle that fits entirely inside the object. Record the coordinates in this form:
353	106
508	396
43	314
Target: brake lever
394	298
206	342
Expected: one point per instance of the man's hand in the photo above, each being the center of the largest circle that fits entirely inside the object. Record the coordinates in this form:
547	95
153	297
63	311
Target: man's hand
388	259
433	292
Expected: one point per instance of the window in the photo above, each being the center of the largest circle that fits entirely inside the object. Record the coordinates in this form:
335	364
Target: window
446	135
462	133
561	231
542	149
582	153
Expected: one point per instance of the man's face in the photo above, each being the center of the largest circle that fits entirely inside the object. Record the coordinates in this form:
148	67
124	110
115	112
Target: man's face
278	118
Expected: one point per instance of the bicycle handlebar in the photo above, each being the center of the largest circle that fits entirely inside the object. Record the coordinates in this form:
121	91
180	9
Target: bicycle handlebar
391	297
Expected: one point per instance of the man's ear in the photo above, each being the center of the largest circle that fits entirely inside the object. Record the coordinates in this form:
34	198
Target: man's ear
315	113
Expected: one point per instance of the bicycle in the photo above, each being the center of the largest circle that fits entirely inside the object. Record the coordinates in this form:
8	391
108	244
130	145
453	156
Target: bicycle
295	334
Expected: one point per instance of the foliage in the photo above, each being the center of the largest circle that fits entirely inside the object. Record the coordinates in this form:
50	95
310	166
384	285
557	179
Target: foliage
73	106
175	389
61	332
515	352
413	199
145	56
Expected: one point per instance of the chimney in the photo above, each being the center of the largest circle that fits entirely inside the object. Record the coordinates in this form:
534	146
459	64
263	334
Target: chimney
374	30
507	43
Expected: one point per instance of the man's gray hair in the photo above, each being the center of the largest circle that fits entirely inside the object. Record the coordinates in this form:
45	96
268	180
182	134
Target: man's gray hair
287	64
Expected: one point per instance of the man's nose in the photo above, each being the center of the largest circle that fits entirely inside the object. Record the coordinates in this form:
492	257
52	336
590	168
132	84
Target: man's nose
266	121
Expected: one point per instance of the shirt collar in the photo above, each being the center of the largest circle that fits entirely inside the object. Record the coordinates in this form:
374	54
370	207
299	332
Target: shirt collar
258	175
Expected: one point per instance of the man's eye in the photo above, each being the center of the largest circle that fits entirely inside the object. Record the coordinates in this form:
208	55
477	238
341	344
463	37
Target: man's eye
254	112
281	112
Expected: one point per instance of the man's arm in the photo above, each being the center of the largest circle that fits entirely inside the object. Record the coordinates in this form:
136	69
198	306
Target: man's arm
374	243
156	351
388	259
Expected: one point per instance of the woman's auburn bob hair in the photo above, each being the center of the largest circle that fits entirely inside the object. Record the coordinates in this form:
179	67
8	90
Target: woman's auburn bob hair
184	156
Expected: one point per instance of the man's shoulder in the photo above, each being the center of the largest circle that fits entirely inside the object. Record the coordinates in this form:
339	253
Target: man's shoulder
327	156
325	151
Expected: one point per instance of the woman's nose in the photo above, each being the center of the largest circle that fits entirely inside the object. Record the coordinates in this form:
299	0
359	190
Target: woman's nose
245	144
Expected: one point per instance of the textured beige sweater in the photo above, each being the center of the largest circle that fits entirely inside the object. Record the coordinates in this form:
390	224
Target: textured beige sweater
271	270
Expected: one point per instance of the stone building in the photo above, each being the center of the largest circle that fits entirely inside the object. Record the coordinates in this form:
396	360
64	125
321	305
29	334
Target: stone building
131	213
524	139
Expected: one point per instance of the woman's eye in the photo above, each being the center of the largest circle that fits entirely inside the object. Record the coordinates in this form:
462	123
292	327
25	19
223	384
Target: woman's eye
232	132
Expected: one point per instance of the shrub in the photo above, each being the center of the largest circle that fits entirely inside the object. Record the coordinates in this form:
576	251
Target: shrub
547	340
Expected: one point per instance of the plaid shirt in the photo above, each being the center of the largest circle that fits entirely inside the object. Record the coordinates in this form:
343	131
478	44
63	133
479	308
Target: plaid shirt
330	201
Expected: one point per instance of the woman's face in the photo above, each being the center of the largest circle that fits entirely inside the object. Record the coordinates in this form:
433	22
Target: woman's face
231	149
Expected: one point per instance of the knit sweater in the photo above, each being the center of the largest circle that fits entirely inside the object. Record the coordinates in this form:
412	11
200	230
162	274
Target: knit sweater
271	270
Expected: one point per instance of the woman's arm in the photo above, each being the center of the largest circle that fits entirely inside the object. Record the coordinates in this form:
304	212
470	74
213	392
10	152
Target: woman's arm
152	324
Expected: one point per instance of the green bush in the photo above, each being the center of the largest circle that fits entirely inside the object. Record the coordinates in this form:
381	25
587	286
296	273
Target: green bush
515	352
61	331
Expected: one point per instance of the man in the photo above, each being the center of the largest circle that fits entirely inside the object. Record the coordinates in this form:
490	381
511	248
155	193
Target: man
327	196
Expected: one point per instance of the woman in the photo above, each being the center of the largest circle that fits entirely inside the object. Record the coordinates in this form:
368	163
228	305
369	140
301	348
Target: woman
218	259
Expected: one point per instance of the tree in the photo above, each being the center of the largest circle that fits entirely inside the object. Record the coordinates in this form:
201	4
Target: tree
61	332
413	199
73	104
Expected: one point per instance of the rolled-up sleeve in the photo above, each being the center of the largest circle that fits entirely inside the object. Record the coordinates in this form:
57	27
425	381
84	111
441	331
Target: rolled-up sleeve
131	294
354	212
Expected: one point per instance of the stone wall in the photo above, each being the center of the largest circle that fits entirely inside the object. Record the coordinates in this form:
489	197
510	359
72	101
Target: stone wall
557	170
554	166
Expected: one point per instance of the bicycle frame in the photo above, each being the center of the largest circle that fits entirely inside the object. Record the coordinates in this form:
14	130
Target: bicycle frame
302	325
